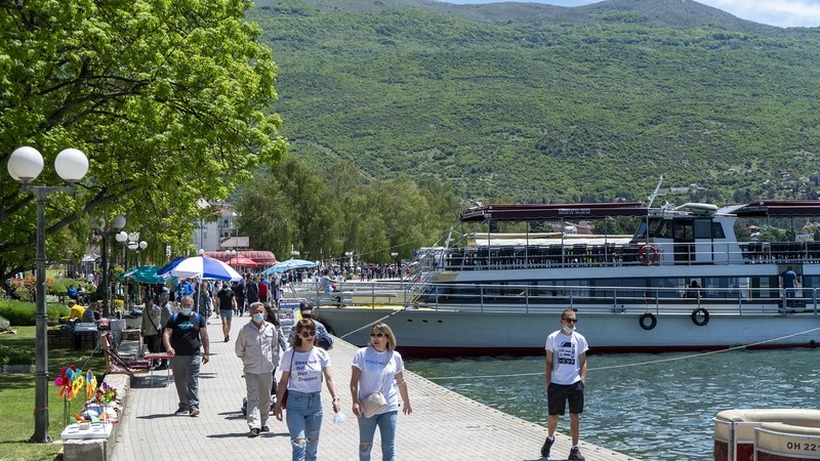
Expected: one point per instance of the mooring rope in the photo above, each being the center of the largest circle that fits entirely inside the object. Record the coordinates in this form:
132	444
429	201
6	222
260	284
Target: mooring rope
372	323
636	364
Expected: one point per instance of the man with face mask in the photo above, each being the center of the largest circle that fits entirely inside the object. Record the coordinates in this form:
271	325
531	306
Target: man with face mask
185	334
254	345
566	372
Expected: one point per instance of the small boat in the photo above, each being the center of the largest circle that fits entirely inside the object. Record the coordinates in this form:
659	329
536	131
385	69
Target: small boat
682	281
767	435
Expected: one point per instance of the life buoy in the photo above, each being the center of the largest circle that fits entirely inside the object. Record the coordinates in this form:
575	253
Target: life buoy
648	321
700	316
648	255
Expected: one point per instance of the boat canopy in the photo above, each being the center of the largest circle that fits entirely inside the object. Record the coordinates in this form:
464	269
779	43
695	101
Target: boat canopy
783	208
550	211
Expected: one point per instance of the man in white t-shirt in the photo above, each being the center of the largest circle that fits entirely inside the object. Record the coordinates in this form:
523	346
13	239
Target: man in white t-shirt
566	372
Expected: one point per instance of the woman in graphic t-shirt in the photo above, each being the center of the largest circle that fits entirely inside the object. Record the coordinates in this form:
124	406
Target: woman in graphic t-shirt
303	367
378	367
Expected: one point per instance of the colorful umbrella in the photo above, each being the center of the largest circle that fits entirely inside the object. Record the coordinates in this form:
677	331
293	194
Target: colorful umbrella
289	265
199	266
145	274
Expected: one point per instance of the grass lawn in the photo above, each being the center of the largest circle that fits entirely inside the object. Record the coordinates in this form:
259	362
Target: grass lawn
17	400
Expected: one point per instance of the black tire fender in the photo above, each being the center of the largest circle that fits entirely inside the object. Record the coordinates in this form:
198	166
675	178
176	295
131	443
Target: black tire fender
648	321
700	316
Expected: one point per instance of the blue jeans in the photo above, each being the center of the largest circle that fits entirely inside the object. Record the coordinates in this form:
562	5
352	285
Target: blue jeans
304	417
387	428
186	379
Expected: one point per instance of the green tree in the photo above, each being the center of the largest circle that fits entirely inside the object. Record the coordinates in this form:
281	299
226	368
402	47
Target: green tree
167	99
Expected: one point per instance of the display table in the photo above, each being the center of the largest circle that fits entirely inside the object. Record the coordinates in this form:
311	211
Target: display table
94	431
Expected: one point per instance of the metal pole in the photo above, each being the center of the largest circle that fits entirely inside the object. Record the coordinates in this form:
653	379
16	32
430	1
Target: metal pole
41	365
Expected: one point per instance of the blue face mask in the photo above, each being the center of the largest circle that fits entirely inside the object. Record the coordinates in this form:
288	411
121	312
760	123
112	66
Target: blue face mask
258	318
567	329
186	311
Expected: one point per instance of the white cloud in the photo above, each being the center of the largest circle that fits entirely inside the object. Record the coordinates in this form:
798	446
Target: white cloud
784	13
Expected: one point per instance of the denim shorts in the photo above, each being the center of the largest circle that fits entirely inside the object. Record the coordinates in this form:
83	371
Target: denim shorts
226	314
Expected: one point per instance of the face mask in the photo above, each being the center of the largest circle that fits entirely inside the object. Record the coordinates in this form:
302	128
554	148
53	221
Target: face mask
567	329
186	311
258	318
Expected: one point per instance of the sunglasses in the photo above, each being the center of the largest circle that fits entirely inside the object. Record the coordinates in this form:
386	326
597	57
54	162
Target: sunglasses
307	334
570	320
379	335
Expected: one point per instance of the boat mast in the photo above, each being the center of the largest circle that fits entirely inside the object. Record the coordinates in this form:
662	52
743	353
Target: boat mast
655	194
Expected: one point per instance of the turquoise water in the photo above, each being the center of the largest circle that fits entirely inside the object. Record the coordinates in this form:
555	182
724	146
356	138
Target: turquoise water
650	406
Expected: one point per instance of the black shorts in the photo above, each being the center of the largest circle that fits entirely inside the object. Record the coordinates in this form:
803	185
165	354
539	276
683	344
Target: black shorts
559	394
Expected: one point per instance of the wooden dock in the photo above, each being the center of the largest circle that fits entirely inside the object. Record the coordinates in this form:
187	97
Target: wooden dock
444	425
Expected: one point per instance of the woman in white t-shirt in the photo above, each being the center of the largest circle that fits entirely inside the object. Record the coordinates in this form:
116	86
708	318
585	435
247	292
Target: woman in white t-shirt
303	367
378	367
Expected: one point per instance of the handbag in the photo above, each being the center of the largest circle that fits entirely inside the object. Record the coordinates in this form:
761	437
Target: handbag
373	404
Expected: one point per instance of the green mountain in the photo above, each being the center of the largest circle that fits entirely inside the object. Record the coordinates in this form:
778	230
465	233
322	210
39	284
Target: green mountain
533	102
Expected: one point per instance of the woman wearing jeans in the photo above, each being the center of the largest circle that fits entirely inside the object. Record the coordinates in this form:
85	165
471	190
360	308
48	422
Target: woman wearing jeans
303	366
378	367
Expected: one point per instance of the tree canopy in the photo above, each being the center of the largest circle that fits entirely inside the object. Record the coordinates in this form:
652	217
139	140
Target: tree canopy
170	100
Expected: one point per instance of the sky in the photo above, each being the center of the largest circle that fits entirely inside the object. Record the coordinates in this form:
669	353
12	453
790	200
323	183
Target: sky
782	13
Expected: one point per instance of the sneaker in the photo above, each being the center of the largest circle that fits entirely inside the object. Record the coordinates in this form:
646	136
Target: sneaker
194	411
227	338
265	429
181	412
253	433
575	455
545	449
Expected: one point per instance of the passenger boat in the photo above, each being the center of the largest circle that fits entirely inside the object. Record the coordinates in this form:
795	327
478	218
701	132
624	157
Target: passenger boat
682	281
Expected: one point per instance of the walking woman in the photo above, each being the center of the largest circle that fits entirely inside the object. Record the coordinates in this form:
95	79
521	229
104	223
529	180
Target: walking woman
379	368
306	364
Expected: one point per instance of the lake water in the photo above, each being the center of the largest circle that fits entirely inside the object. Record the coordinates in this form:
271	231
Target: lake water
650	406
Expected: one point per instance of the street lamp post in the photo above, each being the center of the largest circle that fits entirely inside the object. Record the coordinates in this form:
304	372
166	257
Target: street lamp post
24	165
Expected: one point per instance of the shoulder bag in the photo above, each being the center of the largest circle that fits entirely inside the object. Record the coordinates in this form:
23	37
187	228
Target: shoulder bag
375	402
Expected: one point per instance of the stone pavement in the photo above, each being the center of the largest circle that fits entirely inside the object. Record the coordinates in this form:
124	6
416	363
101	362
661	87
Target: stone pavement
443	426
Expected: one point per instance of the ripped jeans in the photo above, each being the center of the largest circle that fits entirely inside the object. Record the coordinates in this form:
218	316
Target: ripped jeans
386	422
304	418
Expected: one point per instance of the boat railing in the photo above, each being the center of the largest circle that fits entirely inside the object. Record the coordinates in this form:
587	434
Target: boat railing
599	299
494	297
612	254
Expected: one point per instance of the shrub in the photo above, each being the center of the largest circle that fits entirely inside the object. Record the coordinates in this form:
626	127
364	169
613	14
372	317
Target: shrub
21	313
17	355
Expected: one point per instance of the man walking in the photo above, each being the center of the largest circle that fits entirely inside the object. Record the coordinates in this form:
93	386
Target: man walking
185	334
566	372
254	346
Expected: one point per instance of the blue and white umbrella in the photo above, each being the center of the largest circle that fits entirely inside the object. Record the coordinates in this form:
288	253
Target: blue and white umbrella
199	266
290	264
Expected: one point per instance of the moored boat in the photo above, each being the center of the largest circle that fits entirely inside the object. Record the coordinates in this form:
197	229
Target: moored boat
682	281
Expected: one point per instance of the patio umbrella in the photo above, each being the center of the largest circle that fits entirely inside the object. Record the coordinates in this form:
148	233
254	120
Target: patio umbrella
199	266
288	265
145	274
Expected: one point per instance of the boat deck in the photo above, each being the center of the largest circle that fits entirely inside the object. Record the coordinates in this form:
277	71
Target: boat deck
444	425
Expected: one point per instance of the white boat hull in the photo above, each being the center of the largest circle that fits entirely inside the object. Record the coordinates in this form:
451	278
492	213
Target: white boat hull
428	332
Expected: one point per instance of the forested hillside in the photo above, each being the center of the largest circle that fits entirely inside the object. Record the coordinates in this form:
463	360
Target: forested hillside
540	103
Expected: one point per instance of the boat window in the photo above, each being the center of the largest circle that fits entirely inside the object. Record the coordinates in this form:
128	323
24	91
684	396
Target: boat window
717	231
684	231
663	229
703	229
640	233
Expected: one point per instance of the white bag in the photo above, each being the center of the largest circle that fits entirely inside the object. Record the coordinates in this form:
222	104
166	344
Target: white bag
373	404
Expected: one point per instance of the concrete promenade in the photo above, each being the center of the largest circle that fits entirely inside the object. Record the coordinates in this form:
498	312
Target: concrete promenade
443	425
